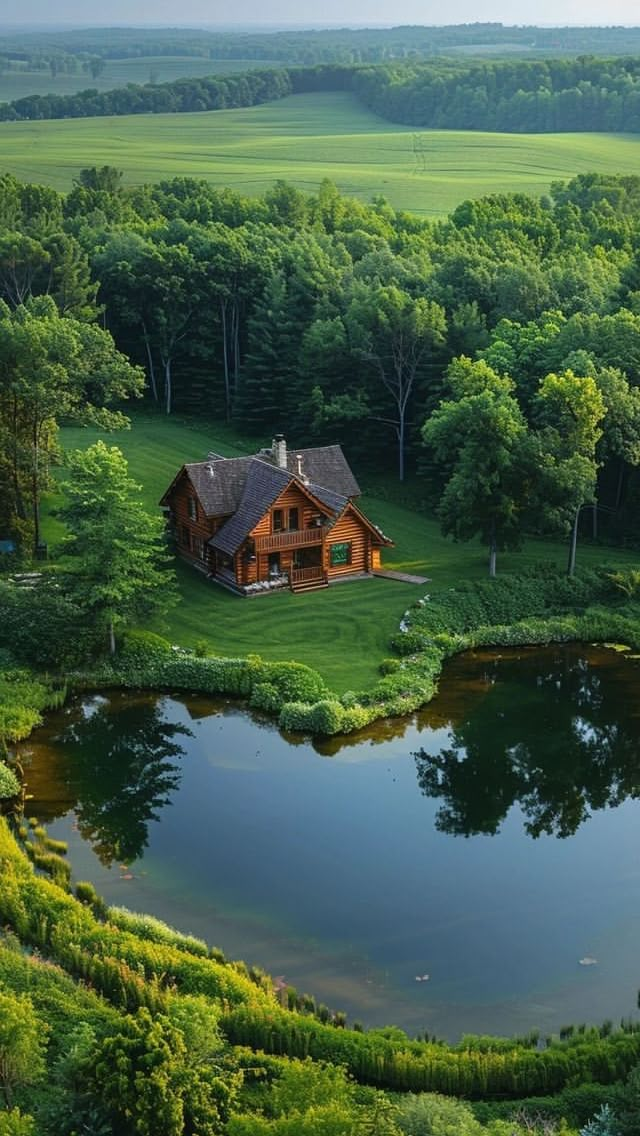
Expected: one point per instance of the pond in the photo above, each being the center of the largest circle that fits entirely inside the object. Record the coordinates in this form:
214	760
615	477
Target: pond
490	843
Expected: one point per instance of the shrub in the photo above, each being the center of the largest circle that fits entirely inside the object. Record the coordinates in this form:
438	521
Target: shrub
265	696
42	627
9	784
327	717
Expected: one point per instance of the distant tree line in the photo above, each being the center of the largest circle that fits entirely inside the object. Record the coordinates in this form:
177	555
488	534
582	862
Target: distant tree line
584	94
522	95
323	45
182	95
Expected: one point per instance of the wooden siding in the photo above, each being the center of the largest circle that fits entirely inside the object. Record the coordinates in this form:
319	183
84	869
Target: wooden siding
251	563
349	529
199	529
291	498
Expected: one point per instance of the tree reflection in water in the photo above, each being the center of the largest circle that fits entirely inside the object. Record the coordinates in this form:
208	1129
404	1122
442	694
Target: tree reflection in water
120	766
553	734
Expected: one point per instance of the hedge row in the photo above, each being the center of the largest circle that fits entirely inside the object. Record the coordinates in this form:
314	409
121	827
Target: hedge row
130	971
537	607
405	1066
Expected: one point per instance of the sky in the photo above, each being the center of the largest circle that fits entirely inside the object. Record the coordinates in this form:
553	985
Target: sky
362	13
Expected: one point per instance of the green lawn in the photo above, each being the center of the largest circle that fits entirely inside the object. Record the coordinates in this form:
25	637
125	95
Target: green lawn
305	138
343	632
16	84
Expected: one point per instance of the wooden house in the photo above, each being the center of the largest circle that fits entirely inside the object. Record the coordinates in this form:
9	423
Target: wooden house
273	519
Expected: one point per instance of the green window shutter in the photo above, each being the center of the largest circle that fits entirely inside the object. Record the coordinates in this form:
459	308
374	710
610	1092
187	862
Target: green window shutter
340	554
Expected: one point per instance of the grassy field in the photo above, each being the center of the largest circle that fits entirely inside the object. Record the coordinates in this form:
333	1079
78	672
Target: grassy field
118	72
343	632
305	138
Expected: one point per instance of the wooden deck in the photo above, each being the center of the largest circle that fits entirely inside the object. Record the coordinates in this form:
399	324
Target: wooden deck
404	577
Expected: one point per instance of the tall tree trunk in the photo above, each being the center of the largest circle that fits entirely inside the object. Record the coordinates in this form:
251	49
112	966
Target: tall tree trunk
236	345
620	483
20	507
401	428
152	370
594	521
35	487
112	638
571	566
225	358
167	384
493	550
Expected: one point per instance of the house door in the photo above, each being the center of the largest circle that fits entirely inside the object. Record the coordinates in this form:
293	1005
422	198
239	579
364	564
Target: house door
308	557
274	564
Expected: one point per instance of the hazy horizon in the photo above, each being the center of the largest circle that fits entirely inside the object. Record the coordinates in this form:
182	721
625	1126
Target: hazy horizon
250	14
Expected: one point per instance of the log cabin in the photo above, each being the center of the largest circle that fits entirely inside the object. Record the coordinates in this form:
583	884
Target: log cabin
273	519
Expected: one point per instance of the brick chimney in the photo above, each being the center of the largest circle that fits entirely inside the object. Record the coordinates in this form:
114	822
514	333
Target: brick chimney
280	451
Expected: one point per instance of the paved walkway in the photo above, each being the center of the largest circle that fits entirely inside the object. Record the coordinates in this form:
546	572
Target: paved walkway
389	574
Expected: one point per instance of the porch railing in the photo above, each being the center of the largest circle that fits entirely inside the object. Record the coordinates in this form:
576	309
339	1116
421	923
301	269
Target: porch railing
294	539
305	575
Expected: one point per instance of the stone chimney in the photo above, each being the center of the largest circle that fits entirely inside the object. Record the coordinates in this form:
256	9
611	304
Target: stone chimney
280	451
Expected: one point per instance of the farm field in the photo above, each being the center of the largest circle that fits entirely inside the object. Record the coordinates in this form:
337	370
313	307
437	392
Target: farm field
16	84
343	632
305	138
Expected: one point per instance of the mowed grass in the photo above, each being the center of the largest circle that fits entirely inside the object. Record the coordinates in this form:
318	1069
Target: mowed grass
344	631
118	72
305	138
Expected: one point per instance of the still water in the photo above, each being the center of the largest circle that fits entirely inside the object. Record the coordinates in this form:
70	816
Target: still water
490	843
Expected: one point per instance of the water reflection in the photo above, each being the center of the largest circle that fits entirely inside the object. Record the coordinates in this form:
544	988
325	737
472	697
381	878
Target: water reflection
120	766
559	738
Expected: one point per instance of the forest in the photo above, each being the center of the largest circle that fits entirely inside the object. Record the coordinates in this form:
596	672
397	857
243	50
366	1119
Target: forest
522	96
309	47
346	321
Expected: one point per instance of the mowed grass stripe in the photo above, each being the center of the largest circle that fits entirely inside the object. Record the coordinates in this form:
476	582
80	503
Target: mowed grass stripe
305	138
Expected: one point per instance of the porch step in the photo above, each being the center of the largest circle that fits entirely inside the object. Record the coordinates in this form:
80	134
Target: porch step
309	586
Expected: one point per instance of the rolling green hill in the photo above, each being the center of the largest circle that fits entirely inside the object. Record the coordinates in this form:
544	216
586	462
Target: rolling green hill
305	138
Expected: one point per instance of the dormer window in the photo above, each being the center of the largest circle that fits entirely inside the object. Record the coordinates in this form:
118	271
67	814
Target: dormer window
192	508
285	520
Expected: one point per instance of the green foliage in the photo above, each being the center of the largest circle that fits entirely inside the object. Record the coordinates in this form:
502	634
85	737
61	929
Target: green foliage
428	1114
22	1044
154	930
602	1124
43	627
135	1076
15	1123
113	559
9	784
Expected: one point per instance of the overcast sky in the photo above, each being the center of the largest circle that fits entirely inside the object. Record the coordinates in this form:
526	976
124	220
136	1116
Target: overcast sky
364	13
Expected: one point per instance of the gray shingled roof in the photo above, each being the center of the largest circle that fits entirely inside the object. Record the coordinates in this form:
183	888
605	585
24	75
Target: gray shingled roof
242	489
334	501
219	484
263	484
326	466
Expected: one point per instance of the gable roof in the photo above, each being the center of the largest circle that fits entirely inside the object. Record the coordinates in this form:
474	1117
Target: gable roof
219	483
326	466
264	483
243	489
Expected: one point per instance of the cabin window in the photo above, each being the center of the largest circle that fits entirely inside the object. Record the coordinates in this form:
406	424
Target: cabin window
192	508
340	554
186	536
285	520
